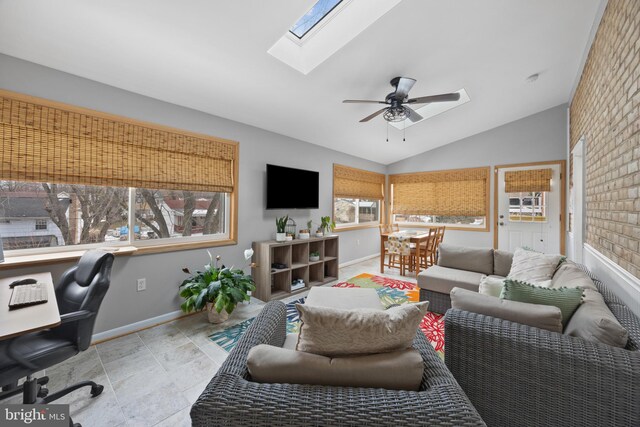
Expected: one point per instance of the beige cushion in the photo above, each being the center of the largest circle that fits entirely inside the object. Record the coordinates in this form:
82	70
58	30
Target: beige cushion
536	315
290	341
533	267
491	285
479	260
443	279
344	298
335	332
569	275
398	370
593	321
502	262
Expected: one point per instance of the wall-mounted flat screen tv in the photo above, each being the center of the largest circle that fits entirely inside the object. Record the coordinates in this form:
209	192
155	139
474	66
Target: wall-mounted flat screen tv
289	188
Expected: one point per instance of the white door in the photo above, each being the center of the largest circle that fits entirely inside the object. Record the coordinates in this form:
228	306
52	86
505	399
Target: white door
530	219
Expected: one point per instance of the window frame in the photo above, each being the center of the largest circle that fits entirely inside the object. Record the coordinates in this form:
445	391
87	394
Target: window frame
22	257
38	225
357	225
150	245
324	17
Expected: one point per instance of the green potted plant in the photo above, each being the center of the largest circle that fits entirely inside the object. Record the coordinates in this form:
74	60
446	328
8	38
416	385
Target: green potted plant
314	256
326	224
281	224
218	289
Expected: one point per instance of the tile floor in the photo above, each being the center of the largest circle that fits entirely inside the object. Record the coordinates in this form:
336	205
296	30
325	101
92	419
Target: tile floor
152	377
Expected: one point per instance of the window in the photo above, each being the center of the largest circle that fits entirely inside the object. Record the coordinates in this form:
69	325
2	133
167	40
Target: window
54	194
310	19
455	198
357	196
83	214
169	214
528	206
355	211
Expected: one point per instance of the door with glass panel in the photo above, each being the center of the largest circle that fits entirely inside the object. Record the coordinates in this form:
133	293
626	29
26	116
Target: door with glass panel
529	207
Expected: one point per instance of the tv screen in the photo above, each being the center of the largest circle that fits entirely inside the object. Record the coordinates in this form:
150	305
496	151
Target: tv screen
289	188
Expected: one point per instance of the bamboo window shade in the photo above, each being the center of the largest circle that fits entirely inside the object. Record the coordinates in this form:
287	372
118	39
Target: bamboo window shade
460	192
43	141
527	180
354	183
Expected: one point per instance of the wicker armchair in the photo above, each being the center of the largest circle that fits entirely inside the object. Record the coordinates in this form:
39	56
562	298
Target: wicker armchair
520	375
232	399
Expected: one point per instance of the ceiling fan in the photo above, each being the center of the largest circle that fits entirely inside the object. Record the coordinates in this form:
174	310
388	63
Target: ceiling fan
398	102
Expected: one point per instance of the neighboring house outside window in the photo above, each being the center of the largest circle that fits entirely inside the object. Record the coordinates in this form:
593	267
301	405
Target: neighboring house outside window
356	211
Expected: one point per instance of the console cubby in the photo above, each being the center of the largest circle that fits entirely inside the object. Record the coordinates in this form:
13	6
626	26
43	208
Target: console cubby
276	283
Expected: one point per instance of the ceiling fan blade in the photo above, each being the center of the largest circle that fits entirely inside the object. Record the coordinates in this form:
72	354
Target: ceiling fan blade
361	101
371	116
404	86
445	97
414	116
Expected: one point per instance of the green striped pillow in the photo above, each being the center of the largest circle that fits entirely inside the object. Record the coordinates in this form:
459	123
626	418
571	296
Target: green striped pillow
566	299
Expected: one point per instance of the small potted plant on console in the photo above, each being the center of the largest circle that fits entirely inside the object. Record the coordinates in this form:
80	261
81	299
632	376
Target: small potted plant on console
314	256
281	224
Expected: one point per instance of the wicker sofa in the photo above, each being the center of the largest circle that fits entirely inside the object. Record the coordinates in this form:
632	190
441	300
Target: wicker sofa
520	375
232	399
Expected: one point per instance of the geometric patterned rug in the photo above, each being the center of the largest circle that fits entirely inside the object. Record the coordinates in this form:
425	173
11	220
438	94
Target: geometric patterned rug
390	291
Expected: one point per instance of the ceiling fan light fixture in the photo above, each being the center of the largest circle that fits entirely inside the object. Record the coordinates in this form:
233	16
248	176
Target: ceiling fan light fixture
396	114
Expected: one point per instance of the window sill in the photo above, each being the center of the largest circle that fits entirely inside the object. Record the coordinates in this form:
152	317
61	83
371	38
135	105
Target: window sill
355	227
74	255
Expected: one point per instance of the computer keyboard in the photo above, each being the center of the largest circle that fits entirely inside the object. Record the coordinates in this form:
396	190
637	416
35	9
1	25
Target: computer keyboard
26	295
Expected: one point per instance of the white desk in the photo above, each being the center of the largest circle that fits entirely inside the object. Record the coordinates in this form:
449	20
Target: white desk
17	322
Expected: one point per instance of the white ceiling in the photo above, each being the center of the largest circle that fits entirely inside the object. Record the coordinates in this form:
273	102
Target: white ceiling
211	55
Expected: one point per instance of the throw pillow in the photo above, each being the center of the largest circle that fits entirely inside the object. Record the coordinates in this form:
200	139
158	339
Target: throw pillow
539	316
335	332
566	299
532	267
491	286
269	364
593	321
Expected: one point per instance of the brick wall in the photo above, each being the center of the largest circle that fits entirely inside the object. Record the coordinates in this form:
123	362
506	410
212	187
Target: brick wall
606	111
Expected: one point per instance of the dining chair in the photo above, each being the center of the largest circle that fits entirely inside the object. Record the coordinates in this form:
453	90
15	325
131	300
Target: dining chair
427	248
399	246
392	261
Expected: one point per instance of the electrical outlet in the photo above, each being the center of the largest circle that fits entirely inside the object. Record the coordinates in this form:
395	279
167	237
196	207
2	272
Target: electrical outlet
142	284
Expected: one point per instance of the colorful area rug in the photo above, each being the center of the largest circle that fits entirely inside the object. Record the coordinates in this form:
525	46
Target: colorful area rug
390	291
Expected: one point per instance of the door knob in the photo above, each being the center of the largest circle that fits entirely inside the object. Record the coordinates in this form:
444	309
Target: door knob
501	223
501	216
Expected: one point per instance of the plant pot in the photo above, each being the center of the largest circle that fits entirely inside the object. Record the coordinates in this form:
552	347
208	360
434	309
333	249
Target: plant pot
214	316
288	238
303	236
314	258
319	234
281	237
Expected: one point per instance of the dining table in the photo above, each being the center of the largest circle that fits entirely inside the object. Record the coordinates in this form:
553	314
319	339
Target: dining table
415	237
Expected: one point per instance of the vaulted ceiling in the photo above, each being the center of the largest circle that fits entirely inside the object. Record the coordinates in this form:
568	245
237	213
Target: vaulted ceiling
211	55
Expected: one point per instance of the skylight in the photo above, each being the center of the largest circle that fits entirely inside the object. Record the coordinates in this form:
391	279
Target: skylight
313	16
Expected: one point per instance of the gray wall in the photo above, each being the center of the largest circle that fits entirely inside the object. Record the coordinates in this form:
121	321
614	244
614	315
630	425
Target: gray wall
123	304
539	137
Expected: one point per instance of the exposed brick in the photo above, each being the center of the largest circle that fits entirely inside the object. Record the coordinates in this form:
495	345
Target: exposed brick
606	111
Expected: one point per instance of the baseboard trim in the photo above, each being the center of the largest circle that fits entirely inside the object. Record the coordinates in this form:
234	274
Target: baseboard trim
625	285
135	327
355	261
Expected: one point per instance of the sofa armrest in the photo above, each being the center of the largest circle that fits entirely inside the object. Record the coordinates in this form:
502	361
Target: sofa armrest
520	375
269	327
230	400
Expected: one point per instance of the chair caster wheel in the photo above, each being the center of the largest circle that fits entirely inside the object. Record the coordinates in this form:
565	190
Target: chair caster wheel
43	392
96	390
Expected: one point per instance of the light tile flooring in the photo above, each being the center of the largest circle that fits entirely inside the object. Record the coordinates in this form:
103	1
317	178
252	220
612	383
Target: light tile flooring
152	377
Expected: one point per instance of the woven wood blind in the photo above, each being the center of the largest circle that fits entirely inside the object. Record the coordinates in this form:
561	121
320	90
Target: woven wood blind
43	141
357	183
527	180
460	192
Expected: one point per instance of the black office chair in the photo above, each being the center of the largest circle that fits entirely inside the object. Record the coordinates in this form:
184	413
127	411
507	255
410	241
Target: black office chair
79	293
